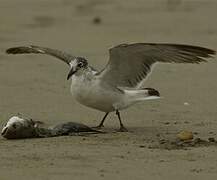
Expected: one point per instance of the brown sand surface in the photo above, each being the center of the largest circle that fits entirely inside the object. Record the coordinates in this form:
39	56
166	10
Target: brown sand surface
36	86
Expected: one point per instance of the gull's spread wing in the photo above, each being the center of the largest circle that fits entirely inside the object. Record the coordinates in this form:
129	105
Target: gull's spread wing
41	50
129	64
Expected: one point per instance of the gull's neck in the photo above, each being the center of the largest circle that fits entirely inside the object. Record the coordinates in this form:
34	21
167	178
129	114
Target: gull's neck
87	72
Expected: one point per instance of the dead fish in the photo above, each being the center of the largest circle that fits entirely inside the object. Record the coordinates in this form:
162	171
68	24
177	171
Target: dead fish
17	128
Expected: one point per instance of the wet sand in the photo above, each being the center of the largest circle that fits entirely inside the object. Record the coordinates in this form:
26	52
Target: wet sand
36	86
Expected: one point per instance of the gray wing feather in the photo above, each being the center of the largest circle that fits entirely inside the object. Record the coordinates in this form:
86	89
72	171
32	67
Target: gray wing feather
65	57
129	64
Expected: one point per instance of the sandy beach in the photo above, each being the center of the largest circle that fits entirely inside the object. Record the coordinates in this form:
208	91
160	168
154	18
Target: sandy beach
36	86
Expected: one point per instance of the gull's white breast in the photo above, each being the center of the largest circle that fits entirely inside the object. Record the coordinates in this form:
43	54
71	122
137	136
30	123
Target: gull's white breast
90	92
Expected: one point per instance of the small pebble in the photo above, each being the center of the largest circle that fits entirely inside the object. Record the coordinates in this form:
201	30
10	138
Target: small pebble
198	140
162	141
185	135
186	104
97	20
142	146
211	139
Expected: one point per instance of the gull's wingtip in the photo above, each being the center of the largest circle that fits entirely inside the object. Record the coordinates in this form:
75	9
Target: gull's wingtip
213	52
24	49
9	51
16	50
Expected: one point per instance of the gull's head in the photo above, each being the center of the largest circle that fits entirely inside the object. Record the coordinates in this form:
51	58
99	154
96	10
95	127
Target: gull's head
77	65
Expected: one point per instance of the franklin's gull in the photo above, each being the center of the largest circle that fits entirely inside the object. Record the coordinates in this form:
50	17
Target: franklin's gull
119	84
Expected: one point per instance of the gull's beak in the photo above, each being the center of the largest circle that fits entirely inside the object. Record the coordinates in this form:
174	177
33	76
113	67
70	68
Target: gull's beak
71	72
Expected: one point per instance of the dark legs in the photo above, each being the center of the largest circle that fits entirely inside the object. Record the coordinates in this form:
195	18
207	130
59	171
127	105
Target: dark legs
122	128
101	123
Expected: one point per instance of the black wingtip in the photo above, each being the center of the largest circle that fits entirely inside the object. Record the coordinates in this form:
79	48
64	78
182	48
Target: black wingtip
10	51
22	50
15	50
201	51
191	48
152	92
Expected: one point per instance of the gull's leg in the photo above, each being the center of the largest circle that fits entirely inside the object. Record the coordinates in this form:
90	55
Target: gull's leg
122	128
101	123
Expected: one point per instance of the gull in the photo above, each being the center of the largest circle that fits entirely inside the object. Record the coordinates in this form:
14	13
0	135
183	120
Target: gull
120	83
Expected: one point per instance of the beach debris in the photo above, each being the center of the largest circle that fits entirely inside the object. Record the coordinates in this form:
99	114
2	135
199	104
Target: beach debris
176	144
18	127
185	135
166	123
211	139
186	104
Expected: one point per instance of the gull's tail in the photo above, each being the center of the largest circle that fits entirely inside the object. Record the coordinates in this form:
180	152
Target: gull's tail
150	93
136	95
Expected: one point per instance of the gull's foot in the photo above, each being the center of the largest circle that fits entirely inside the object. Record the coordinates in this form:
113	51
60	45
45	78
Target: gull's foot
123	129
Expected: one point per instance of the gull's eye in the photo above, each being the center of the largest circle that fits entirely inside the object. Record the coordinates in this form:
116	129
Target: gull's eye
14	126
80	64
